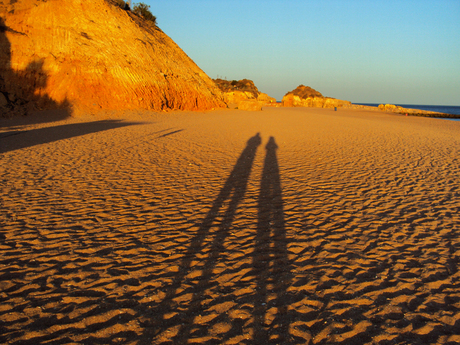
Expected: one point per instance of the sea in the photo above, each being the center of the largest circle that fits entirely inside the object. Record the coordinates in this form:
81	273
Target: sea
447	109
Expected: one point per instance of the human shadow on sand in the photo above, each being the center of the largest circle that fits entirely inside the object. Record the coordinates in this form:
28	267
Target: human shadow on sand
194	297
270	258
270	271
232	192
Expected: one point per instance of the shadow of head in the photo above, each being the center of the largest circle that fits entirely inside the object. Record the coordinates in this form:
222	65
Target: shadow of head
271	145
256	140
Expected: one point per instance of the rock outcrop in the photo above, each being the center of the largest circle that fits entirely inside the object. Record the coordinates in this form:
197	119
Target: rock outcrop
92	55
305	96
243	94
398	109
409	111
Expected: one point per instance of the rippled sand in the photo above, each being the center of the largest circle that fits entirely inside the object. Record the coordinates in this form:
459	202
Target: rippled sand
290	225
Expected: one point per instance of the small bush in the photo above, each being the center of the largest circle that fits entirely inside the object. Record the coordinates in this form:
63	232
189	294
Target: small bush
144	11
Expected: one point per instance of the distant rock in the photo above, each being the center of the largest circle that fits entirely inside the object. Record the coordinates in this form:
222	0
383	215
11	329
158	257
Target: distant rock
396	109
237	92
390	107
250	104
244	85
409	111
266	99
92	55
305	96
305	92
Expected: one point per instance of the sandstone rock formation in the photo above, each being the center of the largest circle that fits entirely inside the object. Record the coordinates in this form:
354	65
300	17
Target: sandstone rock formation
408	111
305	96
250	104
94	55
243	94
390	107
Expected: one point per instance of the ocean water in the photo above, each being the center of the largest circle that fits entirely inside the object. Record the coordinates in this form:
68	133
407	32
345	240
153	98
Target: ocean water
447	109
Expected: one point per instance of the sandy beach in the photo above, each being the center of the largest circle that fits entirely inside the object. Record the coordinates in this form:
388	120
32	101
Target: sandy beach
285	226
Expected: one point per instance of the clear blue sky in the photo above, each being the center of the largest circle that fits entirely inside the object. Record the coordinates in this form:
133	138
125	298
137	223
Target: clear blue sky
389	51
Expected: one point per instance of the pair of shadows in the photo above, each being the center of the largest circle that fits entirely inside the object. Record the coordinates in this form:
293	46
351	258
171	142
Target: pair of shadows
270	264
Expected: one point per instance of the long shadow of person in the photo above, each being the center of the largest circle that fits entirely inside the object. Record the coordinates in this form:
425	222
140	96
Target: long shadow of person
231	194
270	261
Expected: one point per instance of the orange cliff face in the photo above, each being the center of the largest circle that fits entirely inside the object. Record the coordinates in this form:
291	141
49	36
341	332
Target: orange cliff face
93	55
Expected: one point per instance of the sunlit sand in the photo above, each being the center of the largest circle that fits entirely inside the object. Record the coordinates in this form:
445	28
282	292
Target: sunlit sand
289	225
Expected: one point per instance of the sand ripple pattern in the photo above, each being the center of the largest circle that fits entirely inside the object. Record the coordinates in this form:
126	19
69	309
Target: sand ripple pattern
288	226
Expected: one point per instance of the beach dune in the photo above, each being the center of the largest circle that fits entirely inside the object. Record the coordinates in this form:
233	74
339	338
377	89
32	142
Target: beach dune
289	225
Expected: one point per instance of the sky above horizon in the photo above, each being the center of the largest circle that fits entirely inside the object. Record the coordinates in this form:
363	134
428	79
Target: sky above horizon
399	52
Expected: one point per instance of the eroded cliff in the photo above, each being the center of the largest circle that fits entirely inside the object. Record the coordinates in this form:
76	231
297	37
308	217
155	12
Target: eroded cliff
92	55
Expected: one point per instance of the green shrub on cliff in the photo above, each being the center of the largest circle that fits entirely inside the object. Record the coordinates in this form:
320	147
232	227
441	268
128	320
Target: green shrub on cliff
144	11
140	9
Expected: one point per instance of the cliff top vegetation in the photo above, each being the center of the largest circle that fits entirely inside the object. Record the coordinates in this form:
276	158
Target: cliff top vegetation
140	9
244	85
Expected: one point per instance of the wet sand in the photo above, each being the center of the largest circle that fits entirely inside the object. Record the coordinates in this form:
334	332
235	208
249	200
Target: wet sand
286	226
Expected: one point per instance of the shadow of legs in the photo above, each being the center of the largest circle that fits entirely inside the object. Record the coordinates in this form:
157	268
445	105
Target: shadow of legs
271	264
234	191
